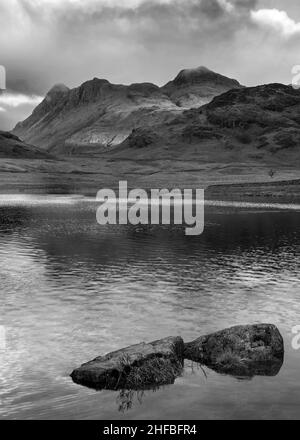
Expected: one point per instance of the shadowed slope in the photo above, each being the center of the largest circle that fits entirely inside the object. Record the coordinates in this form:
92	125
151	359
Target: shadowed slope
12	147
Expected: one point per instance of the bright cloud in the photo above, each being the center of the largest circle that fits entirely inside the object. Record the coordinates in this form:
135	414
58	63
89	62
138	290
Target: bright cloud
16	100
276	20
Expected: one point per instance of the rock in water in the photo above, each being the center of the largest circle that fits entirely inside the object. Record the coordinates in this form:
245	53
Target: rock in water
139	366
242	350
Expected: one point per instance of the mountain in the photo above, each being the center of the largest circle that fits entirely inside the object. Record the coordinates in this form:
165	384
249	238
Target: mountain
11	147
247	137
196	87
97	113
100	114
255	124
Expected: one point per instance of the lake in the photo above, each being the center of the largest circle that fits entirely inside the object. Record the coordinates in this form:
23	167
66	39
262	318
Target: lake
72	290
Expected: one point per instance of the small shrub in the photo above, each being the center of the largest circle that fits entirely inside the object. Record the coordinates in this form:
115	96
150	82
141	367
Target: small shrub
271	174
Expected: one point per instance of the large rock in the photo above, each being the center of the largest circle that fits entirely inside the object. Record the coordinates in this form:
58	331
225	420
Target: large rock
242	350
139	366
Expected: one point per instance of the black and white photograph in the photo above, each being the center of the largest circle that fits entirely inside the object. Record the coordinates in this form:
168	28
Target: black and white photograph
149	213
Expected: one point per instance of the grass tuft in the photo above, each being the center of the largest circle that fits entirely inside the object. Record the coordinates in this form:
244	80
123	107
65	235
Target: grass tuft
228	358
153	372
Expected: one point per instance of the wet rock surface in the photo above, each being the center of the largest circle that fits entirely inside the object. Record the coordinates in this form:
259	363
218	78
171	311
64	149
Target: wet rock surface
240	351
139	366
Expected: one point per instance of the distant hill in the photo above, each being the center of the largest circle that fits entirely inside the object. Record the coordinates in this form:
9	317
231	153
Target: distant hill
11	147
101	114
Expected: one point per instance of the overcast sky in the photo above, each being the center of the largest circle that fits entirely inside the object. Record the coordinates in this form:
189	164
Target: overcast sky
44	42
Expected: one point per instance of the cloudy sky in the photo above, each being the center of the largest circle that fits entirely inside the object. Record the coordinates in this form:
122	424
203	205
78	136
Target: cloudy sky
44	42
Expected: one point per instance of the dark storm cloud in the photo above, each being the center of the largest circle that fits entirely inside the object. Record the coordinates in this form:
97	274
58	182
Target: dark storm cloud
212	8
55	36
48	41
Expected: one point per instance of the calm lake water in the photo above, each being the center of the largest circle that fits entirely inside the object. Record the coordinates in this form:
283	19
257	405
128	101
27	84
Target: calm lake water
72	290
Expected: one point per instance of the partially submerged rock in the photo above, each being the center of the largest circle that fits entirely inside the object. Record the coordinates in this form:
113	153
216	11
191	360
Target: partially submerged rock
139	366
241	351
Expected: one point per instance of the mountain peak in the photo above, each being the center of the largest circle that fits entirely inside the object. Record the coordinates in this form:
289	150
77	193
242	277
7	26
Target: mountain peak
56	93
58	89
201	70
95	82
197	86
201	75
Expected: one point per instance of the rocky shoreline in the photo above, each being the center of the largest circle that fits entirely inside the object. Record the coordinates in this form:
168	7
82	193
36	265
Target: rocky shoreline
243	351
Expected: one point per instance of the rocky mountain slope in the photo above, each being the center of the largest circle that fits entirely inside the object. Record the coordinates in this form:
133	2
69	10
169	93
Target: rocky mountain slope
248	124
11	147
242	145
101	114
196	87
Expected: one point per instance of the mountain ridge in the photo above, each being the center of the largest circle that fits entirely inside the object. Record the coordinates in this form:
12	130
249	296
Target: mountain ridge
99	113
256	124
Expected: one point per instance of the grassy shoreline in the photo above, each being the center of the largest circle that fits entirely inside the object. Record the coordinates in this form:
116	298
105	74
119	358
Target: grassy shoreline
284	192
268	192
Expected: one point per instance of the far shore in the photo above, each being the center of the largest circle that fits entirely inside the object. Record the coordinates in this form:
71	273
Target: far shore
248	182
281	194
